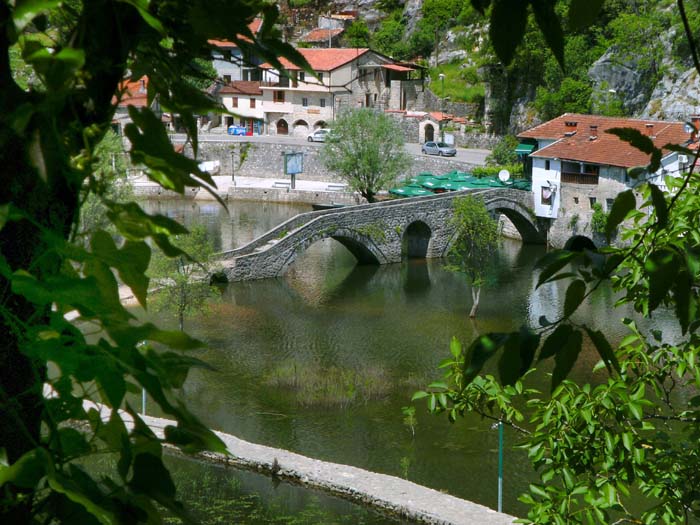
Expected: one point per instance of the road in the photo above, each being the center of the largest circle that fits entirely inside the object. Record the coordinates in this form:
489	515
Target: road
471	156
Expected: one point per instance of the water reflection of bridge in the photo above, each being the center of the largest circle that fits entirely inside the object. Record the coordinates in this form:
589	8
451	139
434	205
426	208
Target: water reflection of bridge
377	233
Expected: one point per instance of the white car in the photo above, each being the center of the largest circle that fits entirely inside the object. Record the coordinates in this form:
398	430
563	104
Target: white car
319	135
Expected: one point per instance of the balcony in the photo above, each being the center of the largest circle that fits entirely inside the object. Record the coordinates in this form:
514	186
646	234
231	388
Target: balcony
579	178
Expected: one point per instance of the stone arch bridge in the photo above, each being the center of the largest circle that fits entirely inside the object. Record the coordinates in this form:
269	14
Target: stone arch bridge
377	233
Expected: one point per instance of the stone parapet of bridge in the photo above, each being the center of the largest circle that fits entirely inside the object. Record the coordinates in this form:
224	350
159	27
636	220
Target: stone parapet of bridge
377	233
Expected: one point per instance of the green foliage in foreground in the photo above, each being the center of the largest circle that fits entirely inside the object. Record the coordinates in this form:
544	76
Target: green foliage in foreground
366	148
626	450
68	60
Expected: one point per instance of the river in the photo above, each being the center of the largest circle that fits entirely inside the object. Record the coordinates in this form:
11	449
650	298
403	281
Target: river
323	360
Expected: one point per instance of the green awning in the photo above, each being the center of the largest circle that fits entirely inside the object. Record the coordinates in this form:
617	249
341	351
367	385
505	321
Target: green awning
524	149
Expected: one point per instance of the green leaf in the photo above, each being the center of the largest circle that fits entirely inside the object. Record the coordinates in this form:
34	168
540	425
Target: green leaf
455	347
574	295
551	263
686	306
565	359
662	267
72	491
659	200
556	340
142	7
582	13
549	24
27	10
27	470
624	203
604	349
635	138
518	353
507	27
480	351
421	394
151	477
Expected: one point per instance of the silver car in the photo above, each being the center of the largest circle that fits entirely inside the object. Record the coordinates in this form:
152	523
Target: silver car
318	136
438	148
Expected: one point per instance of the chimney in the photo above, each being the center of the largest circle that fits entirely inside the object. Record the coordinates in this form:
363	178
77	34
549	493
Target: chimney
695	121
649	129
142	86
594	132
570	128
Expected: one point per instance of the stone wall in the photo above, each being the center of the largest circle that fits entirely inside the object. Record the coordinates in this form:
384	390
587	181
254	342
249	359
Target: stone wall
471	110
264	159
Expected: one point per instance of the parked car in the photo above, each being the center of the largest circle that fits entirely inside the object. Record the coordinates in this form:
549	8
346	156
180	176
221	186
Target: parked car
237	130
319	135
438	148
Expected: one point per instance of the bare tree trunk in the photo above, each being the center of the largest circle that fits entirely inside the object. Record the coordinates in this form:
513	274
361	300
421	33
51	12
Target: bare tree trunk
476	294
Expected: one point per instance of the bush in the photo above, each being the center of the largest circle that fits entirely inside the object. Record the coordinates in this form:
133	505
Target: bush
504	152
516	170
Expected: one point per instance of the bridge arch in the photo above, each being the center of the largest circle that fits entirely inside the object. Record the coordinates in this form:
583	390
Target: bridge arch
578	243
521	217
416	239
361	246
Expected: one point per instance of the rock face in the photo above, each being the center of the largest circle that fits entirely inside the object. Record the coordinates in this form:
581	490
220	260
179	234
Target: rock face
366	9
623	79
676	97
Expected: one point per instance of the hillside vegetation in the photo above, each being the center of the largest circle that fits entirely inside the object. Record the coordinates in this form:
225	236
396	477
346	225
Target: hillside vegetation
612	67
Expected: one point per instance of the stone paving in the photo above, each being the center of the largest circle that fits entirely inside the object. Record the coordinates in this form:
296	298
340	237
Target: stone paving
388	494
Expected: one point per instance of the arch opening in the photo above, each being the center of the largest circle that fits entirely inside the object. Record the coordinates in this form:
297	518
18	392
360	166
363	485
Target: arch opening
429	133
301	127
320	124
416	239
282	127
579	243
527	230
357	249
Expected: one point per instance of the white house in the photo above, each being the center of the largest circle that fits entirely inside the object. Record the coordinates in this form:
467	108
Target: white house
245	100
231	63
297	103
576	163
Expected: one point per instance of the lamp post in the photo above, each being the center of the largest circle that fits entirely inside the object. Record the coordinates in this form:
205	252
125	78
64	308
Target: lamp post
442	105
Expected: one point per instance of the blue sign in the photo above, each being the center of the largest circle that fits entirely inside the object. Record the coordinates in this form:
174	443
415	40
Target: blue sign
293	163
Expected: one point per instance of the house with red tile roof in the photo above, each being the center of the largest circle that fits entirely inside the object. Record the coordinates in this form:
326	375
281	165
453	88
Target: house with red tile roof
575	163
298	102
243	98
321	37
231	63
131	92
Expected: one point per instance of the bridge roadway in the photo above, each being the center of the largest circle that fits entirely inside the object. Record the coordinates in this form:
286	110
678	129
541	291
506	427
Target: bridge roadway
376	233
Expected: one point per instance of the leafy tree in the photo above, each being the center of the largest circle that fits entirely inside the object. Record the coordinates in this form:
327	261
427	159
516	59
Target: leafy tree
389	38
504	152
357	35
476	242
624	450
183	283
49	135
366	149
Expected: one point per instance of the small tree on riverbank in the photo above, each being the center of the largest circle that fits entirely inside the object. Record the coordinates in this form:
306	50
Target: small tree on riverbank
366	149
476	243
183	281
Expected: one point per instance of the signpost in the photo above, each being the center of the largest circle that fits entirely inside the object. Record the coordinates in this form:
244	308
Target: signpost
293	165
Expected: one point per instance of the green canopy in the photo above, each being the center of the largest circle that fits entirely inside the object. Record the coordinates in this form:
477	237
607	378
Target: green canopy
524	148
411	190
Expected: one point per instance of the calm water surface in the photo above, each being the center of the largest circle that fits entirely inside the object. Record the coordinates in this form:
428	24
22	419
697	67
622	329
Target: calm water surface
322	360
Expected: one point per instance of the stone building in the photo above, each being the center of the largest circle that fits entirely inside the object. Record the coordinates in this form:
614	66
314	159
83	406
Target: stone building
575	163
296	102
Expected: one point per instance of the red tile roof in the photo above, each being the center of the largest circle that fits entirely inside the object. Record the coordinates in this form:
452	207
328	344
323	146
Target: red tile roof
132	93
241	87
573	135
321	35
254	27
323	59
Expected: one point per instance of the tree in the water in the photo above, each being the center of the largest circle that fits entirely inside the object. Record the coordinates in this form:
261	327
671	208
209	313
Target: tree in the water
475	244
366	149
183	281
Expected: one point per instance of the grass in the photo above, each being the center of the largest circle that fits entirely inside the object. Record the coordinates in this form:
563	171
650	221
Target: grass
461	85
313	384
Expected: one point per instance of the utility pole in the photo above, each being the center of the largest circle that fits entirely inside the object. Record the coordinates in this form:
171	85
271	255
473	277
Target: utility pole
442	106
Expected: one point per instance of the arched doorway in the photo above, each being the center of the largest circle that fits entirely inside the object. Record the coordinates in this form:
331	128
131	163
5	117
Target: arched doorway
301	128
282	127
578	243
416	239
320	125
429	133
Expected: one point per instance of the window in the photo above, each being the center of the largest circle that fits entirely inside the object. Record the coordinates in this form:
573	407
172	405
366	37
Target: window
227	78
323	102
234	102
278	96
302	76
609	204
305	102
575	200
252	102
546	196
592	200
320	77
546	165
